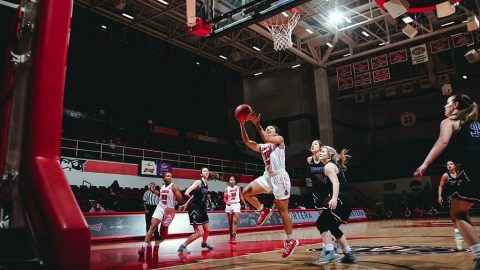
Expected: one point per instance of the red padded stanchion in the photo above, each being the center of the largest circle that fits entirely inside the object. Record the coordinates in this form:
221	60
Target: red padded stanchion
59	227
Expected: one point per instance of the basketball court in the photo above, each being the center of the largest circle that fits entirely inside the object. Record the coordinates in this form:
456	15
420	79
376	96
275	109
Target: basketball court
250	37
394	244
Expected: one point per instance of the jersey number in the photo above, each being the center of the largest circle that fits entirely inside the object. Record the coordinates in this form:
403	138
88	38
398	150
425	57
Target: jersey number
164	198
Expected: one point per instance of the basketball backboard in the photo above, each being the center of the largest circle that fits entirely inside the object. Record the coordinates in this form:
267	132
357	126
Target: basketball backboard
227	15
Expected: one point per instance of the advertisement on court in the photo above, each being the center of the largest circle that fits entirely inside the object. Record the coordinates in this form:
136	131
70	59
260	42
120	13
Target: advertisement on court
109	225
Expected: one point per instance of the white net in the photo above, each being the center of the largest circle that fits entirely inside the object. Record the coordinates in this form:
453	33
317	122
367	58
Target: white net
281	27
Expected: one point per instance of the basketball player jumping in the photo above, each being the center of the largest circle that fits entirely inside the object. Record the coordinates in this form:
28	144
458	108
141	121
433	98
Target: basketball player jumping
275	178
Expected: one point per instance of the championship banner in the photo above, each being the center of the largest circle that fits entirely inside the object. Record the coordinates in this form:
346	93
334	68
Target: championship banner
380	75
344	71
440	45
360	66
345	83
148	168
462	39
363	79
112	225
398	56
419	54
379	61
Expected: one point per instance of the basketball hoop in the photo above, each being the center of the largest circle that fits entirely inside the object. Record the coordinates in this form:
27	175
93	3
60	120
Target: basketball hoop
281	27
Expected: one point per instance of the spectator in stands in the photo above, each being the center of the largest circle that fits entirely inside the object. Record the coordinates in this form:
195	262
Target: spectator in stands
211	205
151	198
164	212
461	130
97	208
114	188
197	211
275	178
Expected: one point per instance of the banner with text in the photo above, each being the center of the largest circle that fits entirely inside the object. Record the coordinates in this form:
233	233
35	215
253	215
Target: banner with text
419	54
462	39
379	61
148	168
398	56
360	66
380	75
440	45
345	83
344	71
104	226
363	79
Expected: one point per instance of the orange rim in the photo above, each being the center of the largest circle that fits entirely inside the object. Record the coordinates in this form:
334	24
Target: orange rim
264	22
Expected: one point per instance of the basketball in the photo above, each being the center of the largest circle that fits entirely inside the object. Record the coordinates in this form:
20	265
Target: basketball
242	112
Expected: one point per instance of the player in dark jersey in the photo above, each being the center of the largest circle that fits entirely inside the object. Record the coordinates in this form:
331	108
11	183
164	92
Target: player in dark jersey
319	190
449	183
337	205
197	211
460	132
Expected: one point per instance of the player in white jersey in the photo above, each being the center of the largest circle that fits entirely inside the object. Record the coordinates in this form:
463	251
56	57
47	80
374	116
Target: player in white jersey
275	178
164	212
232	197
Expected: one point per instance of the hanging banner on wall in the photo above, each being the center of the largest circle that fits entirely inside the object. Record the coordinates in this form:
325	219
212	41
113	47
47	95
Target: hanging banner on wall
440	45
360	66
163	167
380	75
363	79
344	71
379	61
345	83
419	54
148	168
398	56
462	39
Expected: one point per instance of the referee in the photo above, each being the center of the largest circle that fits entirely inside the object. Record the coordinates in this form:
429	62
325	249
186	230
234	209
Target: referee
151	198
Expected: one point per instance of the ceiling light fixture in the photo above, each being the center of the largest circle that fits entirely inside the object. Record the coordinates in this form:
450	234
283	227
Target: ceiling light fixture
407	19
127	16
